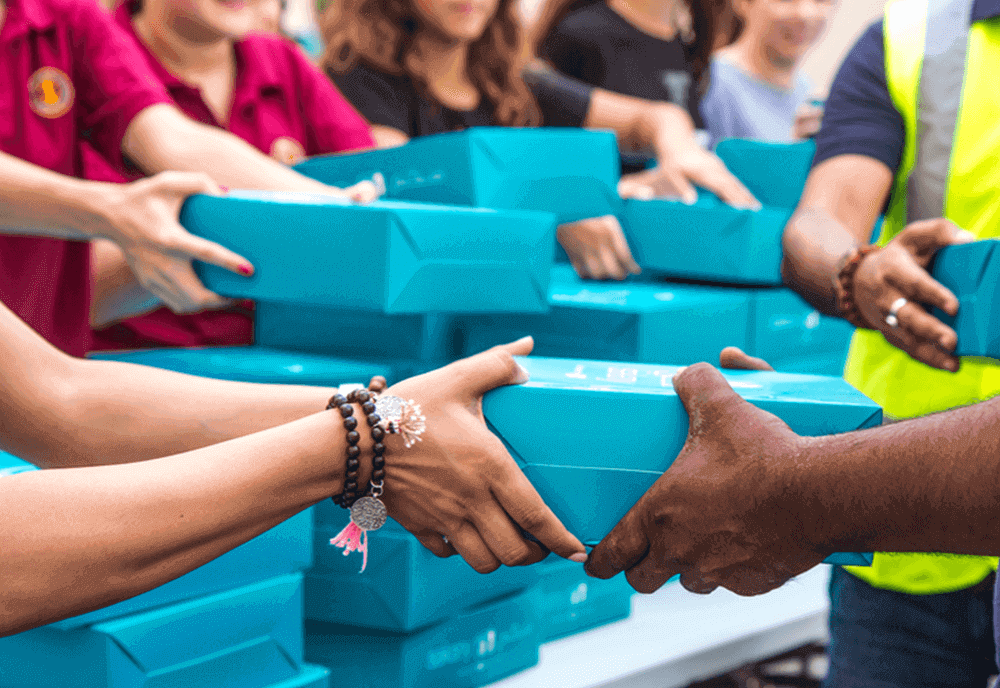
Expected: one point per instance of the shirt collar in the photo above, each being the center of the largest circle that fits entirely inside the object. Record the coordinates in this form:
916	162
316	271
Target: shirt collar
253	72
985	9
27	15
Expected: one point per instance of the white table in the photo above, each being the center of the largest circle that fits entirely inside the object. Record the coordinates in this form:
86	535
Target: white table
675	637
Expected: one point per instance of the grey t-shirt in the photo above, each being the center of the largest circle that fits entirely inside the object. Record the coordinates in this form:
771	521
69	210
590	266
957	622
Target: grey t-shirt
739	105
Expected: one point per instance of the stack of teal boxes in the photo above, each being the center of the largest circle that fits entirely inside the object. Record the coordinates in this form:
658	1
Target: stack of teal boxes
235	622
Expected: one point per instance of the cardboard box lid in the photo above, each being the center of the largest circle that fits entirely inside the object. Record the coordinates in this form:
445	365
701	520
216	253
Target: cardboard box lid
775	173
267	613
972	273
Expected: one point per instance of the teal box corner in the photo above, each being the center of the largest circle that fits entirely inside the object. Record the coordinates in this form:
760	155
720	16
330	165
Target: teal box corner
472	648
311	676
250	637
706	241
385	256
287	548
570	172
972	273
259	364
405	586
626	321
356	334
570	602
775	173
794	337
589	482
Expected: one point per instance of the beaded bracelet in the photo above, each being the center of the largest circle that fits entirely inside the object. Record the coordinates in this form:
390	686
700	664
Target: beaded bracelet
843	285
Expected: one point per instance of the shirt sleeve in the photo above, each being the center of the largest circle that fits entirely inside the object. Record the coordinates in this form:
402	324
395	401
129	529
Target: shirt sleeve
718	110
112	78
564	102
569	50
332	123
859	117
377	97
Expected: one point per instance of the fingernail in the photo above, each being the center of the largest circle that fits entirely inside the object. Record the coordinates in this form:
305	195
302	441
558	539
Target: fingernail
245	269
965	236
522	375
223	189
579	557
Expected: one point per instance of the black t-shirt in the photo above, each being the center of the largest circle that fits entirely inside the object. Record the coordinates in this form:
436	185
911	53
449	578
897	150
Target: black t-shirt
394	101
598	46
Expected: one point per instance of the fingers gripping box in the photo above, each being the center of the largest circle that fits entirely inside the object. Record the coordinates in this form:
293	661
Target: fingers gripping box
388	257
474	647
249	637
972	273
631	321
570	172
591	481
404	587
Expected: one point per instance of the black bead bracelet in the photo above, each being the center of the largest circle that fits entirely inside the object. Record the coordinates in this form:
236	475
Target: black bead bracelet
345	406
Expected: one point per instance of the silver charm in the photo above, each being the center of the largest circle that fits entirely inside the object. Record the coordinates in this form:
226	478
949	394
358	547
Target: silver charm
368	513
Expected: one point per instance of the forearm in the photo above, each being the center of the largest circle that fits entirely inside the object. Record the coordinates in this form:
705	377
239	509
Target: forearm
38	202
640	125
115	292
81	539
925	485
161	139
813	243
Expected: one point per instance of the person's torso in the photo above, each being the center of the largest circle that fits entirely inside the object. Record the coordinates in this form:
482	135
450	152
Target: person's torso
44	281
738	105
951	117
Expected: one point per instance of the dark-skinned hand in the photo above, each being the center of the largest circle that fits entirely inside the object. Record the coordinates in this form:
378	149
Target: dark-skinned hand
721	515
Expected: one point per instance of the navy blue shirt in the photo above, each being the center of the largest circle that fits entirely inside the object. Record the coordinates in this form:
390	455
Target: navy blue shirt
859	117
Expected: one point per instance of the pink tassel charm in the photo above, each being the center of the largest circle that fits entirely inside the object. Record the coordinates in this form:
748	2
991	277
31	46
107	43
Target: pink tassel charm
353	539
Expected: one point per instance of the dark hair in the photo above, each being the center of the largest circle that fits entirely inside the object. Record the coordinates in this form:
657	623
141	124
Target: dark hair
711	21
381	33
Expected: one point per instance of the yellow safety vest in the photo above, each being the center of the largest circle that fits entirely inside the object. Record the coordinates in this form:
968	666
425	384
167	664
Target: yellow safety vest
941	70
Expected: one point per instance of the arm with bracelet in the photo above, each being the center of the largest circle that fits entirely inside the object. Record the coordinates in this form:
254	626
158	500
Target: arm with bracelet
238	459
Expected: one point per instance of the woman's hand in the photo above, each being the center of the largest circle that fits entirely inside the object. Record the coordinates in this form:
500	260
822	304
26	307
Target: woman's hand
142	218
677	176
597	248
458	490
899	270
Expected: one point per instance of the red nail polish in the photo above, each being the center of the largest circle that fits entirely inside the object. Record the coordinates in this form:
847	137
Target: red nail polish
245	269
225	189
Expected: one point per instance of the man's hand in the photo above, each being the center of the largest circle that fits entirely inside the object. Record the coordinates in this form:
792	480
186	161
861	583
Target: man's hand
900	270
459	490
597	248
723	513
687	167
142	218
734	358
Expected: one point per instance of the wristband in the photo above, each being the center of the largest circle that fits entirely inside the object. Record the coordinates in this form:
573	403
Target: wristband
843	285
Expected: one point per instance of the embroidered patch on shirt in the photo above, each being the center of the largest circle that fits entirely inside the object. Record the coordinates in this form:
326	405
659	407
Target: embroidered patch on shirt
50	92
287	150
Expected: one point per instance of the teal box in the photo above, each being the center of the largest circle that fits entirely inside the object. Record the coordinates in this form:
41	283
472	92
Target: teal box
570	172
472	648
794	337
285	549
311	676
589	482
356	334
706	241
405	586
385	256
570	602
775	173
625	321
259	364
250	637
972	273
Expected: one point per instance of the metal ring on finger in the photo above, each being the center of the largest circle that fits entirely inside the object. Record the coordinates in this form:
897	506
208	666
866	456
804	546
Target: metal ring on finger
892	319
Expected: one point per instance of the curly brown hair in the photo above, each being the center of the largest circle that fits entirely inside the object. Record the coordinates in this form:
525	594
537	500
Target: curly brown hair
713	24
381	33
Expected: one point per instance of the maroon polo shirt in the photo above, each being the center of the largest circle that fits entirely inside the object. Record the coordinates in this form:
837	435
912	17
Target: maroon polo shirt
66	70
281	104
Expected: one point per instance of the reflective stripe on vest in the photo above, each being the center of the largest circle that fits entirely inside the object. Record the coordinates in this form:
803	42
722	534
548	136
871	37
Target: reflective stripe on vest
933	57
